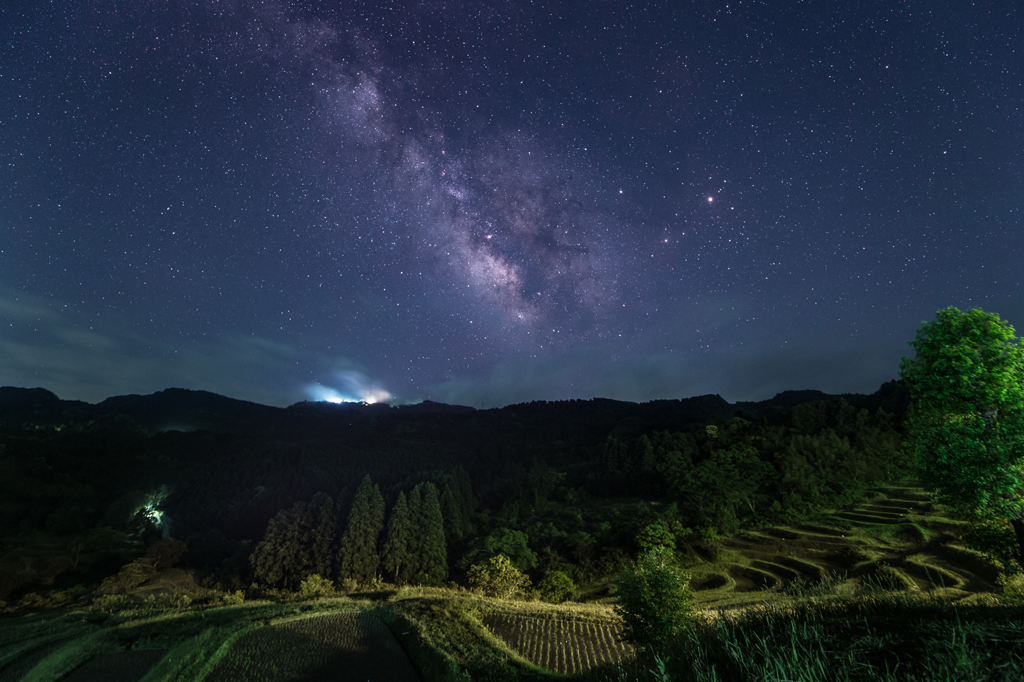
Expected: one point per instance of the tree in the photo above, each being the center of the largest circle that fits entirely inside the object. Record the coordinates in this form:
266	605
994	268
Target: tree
655	600
511	543
967	421
324	536
656	535
451	511
432	560
283	557
396	559
358	557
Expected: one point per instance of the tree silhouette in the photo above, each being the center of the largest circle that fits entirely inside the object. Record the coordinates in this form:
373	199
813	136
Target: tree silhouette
432	555
396	559
358	556
283	557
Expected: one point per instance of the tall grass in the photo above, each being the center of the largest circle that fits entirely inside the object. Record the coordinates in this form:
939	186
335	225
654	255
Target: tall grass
887	638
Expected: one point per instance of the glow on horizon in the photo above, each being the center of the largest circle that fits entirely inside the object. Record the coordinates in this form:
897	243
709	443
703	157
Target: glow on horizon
357	389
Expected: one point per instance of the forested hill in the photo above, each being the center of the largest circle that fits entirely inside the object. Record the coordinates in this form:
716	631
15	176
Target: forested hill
175	409
102	479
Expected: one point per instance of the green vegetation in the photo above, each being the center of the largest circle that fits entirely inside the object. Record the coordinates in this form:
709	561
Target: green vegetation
654	600
889	639
967	382
497	577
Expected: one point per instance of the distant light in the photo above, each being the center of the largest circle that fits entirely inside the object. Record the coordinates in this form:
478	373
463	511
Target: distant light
710	199
357	388
328	395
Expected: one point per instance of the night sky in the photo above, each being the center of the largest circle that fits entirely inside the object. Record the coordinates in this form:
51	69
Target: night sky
487	203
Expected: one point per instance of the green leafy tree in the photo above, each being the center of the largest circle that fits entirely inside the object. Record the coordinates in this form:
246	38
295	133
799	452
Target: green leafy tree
556	587
498	577
655	600
397	559
358	556
967	423
656	535
511	543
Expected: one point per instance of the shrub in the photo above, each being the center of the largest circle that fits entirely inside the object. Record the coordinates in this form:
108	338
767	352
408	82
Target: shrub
556	587
167	601
233	598
128	578
498	578
1011	588
655	600
315	586
109	603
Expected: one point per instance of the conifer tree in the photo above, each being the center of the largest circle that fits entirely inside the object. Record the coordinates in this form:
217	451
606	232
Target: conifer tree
452	515
358	555
396	559
465	489
324	540
283	557
433	559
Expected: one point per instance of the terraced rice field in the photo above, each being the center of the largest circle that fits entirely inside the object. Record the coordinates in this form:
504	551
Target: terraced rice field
898	539
334	646
563	646
128	666
18	667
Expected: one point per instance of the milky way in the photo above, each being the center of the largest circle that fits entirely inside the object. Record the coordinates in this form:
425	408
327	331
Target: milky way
489	204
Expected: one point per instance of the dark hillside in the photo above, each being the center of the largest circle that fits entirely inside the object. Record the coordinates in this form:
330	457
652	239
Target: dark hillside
571	481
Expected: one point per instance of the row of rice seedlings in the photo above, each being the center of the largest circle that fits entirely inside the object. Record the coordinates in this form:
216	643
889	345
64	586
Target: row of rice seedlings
564	646
270	652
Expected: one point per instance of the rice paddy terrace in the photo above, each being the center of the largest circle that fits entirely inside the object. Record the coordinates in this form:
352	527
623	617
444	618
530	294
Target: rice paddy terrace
563	646
896	540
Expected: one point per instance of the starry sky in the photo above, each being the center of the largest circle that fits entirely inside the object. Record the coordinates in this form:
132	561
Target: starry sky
487	203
